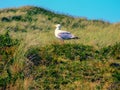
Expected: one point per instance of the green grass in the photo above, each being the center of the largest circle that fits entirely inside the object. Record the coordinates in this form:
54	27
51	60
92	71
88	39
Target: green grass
31	57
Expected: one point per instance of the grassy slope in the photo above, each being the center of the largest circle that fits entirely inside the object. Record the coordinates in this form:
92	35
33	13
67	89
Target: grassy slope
34	27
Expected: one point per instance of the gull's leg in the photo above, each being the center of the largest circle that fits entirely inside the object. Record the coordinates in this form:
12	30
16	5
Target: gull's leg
61	41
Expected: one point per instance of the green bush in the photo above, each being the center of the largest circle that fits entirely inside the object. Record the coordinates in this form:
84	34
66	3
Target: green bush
110	51
33	55
11	18
7	48
115	51
16	18
39	56
73	51
5	19
6	41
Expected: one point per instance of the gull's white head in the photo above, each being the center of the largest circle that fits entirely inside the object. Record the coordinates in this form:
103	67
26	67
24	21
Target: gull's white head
58	26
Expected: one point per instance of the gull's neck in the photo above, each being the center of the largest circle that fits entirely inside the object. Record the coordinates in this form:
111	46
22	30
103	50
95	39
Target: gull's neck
57	28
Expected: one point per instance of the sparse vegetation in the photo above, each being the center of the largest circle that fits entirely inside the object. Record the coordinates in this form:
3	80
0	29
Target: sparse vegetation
32	58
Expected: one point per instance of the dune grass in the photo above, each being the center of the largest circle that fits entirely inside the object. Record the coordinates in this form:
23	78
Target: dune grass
38	60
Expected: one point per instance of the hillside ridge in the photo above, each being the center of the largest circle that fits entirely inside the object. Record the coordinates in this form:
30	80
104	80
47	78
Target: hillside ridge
33	10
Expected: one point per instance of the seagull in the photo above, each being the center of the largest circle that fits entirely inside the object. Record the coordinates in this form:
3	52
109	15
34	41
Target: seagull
63	35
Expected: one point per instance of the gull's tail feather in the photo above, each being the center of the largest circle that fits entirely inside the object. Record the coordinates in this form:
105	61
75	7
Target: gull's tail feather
75	37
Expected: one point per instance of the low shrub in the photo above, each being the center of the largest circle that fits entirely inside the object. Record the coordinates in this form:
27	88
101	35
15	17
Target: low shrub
73	51
33	56
5	19
116	75
111	51
11	18
49	54
7	49
70	51
6	41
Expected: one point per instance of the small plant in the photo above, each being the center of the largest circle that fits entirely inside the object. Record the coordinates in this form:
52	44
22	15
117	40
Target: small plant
16	18
5	19
5	40
111	51
116	75
33	55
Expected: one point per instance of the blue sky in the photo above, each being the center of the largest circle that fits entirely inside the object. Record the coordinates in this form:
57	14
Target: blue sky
108	10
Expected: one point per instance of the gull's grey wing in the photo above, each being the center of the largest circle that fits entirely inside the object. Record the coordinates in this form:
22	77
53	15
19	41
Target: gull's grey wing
65	35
